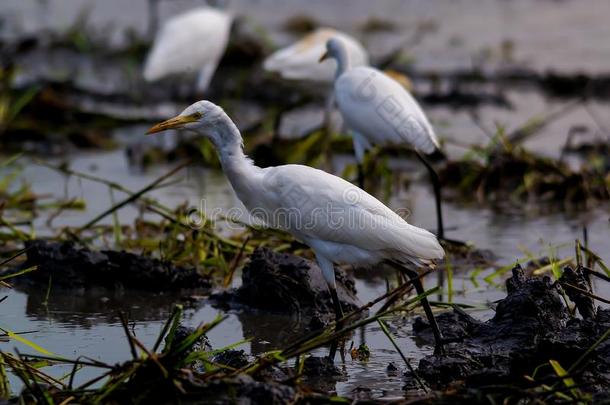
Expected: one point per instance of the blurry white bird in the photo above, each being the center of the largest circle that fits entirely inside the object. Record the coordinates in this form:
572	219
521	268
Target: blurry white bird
300	61
380	111
339	221
192	42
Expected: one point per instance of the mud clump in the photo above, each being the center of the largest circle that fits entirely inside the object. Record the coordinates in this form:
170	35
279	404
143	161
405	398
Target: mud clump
232	358
531	327
288	284
321	367
183	332
71	266
243	389
240	389
322	374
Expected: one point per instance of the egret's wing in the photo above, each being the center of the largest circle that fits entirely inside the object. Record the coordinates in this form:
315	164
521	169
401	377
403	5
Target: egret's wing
380	109
188	42
300	61
315	205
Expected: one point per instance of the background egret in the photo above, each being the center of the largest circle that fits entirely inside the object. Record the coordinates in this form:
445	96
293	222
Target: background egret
192	42
379	110
300	61
339	221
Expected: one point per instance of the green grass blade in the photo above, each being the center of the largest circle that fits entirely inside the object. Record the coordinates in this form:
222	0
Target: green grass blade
27	342
19	273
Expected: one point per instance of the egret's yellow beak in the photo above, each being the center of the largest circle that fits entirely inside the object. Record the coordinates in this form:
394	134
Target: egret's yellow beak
323	57
173	123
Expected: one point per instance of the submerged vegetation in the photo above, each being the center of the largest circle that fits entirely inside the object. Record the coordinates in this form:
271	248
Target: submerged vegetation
515	175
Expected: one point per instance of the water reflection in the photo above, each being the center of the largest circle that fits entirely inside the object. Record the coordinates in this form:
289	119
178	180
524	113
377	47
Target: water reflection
270	331
86	308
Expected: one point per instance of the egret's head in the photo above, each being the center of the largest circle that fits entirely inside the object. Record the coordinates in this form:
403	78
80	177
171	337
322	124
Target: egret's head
200	117
334	49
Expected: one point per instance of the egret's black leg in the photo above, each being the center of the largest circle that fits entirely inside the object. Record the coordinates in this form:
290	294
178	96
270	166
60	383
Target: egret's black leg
440	233
361	175
336	303
338	316
438	337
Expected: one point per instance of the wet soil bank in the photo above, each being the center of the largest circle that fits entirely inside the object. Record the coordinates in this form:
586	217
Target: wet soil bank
528	346
546	342
534	349
65	264
288	284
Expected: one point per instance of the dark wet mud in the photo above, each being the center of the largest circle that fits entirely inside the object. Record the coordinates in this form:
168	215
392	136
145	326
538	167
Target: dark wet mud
517	350
537	347
70	266
288	284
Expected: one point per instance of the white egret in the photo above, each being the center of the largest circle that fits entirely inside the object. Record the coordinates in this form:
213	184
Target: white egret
380	111
300	61
192	42
339	221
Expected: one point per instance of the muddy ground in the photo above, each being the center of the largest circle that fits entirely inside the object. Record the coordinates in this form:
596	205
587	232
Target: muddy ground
521	136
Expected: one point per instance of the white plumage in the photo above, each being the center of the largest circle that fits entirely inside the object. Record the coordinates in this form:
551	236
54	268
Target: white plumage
381	110
339	221
300	61
190	43
377	108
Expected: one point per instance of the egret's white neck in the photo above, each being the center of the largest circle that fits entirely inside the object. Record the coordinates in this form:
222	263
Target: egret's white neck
239	169
229	144
343	61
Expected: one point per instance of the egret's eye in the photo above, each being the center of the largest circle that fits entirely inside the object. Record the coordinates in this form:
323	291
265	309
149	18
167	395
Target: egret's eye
196	116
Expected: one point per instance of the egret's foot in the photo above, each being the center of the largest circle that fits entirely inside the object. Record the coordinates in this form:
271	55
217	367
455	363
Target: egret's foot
439	349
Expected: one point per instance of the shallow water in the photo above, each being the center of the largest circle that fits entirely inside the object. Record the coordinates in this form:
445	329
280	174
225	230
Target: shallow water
77	323
74	323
